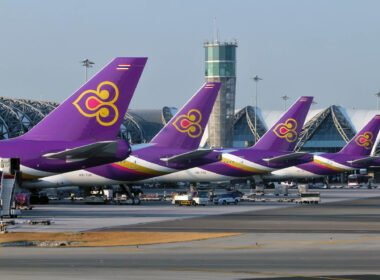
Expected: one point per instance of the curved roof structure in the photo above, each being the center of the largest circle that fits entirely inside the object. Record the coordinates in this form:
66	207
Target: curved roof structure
245	131
333	124
325	130
18	116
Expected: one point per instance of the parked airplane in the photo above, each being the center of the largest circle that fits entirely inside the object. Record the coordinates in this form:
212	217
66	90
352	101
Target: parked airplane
174	148
82	131
273	151
355	155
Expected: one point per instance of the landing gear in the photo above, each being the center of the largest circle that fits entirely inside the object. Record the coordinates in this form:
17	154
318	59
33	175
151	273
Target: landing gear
132	194
136	201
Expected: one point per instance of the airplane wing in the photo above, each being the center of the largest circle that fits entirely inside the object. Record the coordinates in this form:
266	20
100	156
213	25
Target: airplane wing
363	160
188	156
94	150
285	157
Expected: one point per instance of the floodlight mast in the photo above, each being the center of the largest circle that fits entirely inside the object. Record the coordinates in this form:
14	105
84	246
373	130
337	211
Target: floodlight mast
285	98
87	64
256	79
377	94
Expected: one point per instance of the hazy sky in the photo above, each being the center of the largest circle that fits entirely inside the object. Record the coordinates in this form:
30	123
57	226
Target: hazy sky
328	49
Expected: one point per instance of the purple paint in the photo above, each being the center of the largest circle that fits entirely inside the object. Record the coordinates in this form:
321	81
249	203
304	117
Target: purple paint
92	114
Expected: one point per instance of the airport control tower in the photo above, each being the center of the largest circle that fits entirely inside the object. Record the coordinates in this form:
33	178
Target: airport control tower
220	66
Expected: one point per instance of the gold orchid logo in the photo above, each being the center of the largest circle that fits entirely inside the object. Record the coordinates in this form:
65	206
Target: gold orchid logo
365	140
189	123
287	130
100	103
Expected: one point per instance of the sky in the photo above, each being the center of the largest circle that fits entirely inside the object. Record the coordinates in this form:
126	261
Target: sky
326	49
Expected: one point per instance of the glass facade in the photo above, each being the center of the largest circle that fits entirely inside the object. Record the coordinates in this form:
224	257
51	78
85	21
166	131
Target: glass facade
220	69
220	52
220	60
325	139
244	127
243	136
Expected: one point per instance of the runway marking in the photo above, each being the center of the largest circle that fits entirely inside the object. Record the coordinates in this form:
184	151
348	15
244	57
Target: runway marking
292	244
256	273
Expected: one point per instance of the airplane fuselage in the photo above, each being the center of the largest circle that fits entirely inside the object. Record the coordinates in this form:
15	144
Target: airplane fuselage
237	164
322	165
144	162
33	164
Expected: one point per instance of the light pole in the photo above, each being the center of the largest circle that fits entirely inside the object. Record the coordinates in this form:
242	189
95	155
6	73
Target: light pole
87	64
256	79
285	98
378	96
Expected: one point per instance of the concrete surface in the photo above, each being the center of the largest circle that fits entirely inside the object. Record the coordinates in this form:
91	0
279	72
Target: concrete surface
337	240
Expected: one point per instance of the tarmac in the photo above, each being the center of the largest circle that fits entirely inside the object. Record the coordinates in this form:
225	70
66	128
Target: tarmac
358	216
338	239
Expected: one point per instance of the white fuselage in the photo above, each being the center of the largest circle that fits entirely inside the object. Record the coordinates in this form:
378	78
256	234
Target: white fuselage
199	174
321	167
87	178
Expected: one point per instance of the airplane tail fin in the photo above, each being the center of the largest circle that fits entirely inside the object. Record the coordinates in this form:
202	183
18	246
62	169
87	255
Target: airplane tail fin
96	110
186	128
363	141
284	134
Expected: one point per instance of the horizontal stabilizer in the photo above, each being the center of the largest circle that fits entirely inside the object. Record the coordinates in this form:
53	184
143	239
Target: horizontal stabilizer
196	154
94	150
285	157
363	160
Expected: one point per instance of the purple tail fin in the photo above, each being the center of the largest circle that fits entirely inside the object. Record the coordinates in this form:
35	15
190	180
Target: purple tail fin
284	134
363	141
186	128
96	110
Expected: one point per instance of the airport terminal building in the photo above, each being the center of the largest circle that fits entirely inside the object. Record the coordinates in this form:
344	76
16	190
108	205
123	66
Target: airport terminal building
325	130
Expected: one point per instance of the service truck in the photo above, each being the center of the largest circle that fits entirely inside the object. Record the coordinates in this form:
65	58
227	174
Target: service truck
309	198
281	190
194	198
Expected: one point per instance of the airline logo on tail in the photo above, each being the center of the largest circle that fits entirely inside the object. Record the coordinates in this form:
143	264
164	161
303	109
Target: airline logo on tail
189	123
99	103
365	140
287	130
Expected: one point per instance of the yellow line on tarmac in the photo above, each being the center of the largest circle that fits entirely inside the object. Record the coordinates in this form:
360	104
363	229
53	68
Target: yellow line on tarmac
292	244
256	273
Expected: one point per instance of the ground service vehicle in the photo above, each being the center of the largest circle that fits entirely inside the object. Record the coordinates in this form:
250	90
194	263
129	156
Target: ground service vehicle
281	190
183	199
358	180
226	199
200	197
195	198
309	198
